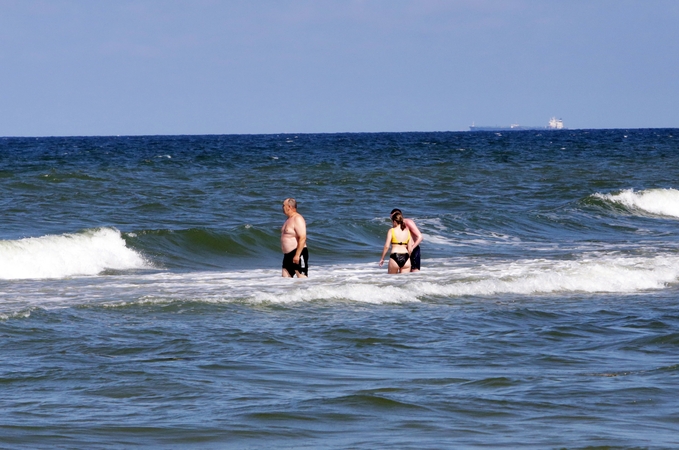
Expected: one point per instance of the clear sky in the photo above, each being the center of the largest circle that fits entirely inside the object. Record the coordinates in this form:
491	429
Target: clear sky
129	67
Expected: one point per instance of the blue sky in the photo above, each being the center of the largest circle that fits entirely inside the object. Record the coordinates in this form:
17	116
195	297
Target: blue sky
119	67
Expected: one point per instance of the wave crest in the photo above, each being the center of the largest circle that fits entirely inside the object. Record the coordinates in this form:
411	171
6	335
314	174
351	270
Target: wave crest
664	202
57	256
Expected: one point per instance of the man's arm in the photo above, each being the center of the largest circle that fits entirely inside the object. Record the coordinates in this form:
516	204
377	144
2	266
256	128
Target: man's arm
300	232
415	232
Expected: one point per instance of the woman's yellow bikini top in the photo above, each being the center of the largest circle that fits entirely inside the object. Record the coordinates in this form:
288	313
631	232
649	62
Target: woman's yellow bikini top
395	241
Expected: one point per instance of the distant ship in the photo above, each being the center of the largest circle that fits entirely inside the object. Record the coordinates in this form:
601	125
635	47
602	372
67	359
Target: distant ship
554	124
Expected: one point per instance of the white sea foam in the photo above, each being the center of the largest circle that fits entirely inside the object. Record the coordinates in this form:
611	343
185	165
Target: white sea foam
601	272
664	202
328	283
434	222
471	239
598	274
357	292
58	256
607	272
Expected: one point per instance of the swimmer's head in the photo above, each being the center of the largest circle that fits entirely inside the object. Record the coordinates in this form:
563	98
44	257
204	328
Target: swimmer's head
397	218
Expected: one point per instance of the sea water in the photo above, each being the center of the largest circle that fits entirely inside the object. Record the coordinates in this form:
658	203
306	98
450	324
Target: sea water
142	303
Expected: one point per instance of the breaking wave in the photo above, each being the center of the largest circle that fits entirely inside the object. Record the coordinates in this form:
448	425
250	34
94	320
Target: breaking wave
663	202
57	256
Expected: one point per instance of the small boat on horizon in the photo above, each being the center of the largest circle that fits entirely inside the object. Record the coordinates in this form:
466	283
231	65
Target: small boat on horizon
554	124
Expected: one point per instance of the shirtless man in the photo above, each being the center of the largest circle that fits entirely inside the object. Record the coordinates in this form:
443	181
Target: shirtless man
293	242
417	236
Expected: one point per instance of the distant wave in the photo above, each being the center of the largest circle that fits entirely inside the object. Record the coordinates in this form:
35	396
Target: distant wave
664	202
57	256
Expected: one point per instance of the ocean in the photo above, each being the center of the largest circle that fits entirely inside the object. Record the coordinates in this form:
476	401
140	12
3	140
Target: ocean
142	303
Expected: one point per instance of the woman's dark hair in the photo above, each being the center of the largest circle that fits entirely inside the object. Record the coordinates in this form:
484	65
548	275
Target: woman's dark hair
398	218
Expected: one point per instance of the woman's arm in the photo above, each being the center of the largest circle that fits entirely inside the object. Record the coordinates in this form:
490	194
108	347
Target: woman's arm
386	247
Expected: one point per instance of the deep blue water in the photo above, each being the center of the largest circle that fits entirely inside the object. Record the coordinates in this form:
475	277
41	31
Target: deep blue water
141	302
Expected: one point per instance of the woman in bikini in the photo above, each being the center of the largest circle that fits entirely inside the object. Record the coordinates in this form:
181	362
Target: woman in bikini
400	240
